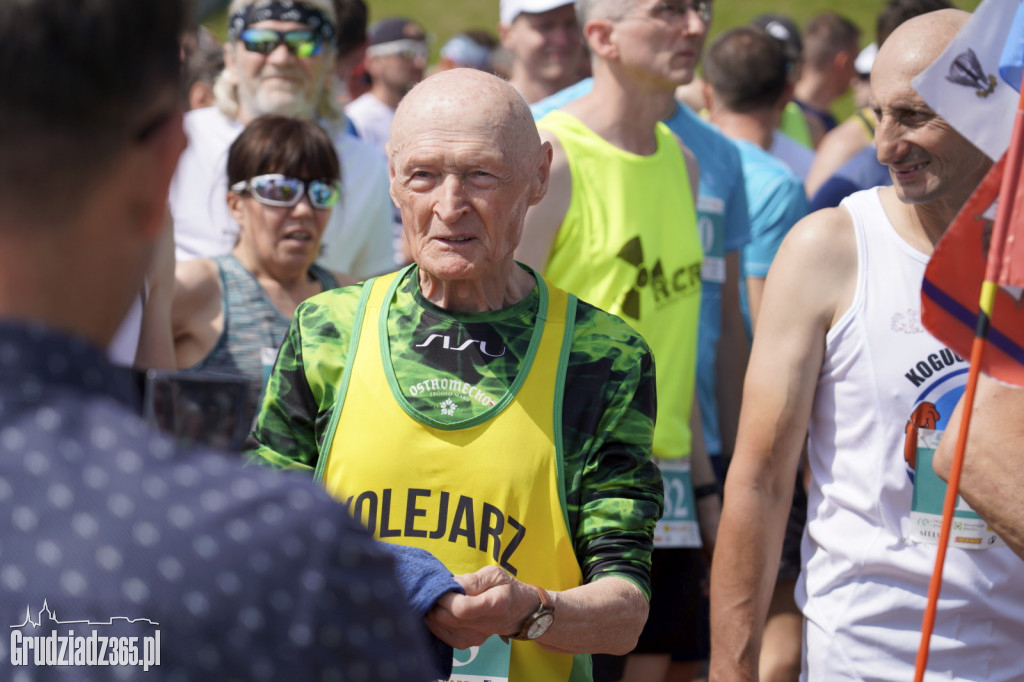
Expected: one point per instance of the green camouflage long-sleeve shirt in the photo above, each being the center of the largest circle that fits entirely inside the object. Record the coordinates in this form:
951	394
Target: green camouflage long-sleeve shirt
452	366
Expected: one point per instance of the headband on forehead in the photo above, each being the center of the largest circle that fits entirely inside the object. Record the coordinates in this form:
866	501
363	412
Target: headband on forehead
281	10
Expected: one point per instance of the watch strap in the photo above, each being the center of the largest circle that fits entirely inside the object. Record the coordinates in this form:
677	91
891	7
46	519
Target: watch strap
543	608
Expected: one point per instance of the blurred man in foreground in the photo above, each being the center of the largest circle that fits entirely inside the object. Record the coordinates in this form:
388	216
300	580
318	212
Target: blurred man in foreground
218	571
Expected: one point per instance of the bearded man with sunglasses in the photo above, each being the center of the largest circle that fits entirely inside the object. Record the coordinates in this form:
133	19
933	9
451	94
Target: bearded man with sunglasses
280	59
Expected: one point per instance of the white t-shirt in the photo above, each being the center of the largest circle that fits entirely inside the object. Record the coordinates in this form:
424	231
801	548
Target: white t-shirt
358	238
125	344
372	119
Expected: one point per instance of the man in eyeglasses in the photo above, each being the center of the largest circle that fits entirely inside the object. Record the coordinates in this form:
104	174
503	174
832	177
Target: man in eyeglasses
395	61
279	59
618	227
134	556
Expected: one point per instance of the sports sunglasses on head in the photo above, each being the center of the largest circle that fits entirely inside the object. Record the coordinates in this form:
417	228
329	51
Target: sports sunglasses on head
275	189
301	42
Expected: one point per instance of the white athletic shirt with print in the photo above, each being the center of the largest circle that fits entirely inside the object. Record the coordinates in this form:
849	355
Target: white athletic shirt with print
864	586
357	239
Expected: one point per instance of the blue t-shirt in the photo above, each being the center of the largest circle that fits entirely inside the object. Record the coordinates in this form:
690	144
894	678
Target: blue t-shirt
723	222
776	202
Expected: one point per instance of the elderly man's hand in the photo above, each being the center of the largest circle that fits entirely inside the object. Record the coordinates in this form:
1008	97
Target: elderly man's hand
495	603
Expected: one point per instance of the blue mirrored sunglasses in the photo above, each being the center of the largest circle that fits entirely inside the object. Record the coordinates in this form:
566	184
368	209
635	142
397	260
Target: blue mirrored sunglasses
275	189
301	42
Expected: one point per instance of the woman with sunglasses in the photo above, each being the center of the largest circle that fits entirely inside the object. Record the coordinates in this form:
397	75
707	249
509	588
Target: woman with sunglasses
231	312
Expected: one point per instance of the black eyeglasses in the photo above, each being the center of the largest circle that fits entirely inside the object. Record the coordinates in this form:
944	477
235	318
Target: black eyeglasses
301	42
279	190
677	10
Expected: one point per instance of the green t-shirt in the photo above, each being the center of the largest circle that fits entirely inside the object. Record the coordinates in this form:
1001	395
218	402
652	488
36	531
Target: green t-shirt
451	366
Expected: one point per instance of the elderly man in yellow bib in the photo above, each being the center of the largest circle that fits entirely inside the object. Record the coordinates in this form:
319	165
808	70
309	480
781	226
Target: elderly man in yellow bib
464	406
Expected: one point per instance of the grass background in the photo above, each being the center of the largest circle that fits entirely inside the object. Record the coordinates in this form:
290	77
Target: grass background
444	18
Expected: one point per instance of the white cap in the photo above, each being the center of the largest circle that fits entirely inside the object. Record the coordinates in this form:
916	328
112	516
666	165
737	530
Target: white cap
865	59
510	9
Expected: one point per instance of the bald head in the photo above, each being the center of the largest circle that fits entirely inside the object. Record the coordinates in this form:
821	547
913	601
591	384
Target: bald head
470	100
918	42
466	162
932	165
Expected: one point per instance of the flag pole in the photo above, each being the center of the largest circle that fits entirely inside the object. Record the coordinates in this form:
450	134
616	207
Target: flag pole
1004	209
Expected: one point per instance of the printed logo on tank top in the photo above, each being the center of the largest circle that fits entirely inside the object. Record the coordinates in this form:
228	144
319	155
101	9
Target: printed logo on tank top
453	343
908	322
940	377
666	287
446	395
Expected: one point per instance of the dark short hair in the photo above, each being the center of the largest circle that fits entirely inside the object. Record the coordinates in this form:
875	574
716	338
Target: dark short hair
203	62
280	144
350	25
825	36
81	81
747	69
898	11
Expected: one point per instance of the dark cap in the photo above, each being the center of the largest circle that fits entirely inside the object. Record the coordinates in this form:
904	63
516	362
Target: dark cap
395	28
783	29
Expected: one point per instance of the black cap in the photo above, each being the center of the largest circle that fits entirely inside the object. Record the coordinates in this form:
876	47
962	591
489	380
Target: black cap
783	29
395	28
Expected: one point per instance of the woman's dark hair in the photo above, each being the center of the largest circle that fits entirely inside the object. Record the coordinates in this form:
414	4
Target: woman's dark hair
278	144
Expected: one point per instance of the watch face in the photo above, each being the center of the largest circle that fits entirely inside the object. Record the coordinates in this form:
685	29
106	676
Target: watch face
540	626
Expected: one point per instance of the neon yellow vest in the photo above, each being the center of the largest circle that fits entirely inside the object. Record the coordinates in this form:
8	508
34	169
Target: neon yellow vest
794	124
629	245
488	490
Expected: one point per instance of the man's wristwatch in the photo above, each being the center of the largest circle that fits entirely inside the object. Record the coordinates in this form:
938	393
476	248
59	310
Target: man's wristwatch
538	622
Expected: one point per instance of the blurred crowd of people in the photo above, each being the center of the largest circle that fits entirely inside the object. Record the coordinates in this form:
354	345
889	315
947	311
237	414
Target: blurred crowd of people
563	320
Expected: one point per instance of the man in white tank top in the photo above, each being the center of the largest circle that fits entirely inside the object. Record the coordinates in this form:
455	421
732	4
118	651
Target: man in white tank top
840	357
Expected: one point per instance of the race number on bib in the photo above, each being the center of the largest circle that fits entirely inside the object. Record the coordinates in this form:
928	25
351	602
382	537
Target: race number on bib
678	527
969	530
488	662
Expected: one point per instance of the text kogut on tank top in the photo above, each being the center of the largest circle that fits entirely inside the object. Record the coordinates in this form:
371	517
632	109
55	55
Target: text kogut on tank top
938	379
